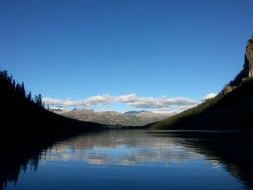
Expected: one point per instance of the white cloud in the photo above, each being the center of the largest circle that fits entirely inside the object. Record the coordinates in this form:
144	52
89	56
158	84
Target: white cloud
96	100
160	104
209	96
53	102
163	102
129	99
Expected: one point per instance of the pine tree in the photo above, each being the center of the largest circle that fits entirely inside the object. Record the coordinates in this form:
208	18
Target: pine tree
38	100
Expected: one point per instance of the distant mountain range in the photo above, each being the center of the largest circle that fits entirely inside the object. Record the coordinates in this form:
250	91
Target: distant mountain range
230	109
136	112
130	118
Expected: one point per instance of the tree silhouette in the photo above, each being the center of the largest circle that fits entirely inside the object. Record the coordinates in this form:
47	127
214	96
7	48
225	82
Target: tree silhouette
38	100
9	85
29	97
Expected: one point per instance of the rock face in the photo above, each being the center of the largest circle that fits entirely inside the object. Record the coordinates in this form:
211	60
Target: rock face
248	66
247	71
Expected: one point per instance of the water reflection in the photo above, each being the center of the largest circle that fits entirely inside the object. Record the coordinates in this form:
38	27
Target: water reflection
168	160
231	149
122	148
14	160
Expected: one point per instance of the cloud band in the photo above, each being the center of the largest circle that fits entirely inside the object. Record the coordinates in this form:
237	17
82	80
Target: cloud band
129	99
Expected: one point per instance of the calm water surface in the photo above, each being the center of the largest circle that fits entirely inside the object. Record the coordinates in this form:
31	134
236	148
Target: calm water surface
129	159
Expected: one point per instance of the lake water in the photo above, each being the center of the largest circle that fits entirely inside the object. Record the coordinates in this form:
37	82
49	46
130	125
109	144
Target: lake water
135	160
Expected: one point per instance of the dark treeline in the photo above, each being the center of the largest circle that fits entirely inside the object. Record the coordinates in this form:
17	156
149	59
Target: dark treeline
24	118
11	89
27	128
227	111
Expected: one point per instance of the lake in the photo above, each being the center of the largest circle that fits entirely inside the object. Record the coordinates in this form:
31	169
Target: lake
136	160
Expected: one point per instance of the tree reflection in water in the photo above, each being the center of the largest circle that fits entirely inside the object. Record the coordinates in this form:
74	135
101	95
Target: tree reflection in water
232	150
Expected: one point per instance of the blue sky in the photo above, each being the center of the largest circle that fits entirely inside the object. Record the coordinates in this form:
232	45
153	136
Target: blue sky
73	50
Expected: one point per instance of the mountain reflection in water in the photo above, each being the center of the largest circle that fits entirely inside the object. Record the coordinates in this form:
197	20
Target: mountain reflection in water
122	148
172	160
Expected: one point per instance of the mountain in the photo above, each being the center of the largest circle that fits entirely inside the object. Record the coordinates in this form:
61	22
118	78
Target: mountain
247	71
131	118
231	109
136	112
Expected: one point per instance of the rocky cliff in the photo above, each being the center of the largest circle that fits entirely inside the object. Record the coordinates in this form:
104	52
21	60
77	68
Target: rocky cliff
247	71
249	58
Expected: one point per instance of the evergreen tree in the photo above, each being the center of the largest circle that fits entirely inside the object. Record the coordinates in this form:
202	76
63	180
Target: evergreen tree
22	90
29	96
38	100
